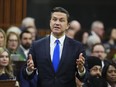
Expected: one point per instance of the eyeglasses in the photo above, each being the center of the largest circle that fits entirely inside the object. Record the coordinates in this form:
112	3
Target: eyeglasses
13	40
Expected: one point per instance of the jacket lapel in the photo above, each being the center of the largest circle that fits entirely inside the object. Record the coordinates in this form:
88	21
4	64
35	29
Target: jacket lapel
47	52
65	53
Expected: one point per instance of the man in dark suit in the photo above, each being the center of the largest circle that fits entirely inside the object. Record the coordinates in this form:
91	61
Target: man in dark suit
41	55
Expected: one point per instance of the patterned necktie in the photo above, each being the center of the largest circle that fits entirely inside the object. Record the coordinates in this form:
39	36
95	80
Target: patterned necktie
56	55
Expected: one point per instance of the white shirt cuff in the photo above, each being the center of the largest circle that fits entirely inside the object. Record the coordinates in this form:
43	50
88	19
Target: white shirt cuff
29	73
81	74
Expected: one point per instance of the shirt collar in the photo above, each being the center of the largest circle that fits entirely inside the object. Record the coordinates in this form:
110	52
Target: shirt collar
24	48
53	39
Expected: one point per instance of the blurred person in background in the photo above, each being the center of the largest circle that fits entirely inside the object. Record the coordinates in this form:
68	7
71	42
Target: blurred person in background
2	38
33	31
12	45
111	42
98	50
12	42
109	73
82	36
6	69
28	24
94	78
25	43
91	40
96	35
14	29
97	29
74	27
28	21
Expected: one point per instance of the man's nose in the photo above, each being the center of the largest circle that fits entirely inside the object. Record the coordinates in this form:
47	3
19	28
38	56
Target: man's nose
57	22
98	72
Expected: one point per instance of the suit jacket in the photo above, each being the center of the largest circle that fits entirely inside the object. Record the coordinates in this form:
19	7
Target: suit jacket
28	83
65	75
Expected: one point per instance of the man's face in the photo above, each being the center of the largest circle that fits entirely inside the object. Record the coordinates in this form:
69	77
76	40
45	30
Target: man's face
58	23
26	40
111	74
96	70
99	52
100	29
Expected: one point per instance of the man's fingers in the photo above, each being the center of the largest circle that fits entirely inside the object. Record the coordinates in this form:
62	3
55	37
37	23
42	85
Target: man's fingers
80	62
30	63
30	56
80	55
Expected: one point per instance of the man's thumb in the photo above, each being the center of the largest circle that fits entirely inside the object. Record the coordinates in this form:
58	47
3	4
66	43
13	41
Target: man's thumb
30	56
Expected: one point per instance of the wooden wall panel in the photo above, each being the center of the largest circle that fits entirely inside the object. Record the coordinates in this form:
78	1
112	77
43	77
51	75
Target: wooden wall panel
19	9
1	12
12	12
6	11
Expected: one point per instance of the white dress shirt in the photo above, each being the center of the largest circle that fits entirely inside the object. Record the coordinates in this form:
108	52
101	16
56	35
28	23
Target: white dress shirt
53	44
26	51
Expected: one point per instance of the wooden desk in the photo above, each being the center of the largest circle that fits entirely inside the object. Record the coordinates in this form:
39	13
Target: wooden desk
7	83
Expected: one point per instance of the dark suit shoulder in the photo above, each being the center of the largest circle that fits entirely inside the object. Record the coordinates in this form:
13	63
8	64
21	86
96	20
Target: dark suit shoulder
44	39
73	41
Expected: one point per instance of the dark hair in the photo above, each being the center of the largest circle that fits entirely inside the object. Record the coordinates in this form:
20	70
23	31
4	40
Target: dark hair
96	45
92	61
25	31
105	68
60	9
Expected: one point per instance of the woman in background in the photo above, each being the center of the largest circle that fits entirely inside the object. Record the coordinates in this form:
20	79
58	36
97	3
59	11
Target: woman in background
2	38
109	73
6	69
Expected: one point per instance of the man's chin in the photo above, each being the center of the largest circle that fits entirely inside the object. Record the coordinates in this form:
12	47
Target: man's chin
57	33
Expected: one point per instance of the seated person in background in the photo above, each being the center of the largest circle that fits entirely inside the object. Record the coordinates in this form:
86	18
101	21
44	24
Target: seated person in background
12	45
2	38
94	78
111	40
109	73
6	70
14	29
12	42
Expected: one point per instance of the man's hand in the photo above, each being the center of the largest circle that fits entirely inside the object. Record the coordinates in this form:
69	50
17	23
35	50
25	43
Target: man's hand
30	64
80	63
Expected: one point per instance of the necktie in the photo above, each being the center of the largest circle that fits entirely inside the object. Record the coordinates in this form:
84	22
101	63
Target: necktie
56	55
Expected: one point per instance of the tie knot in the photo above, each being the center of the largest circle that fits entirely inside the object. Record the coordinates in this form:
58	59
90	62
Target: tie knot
57	41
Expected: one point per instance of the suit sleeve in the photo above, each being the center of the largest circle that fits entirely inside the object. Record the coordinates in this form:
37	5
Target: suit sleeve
25	75
83	77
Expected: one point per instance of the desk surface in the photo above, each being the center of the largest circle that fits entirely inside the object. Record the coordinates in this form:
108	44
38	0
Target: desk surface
7	83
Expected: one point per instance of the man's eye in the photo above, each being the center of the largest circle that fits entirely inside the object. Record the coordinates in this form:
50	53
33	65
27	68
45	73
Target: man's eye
54	19
62	20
